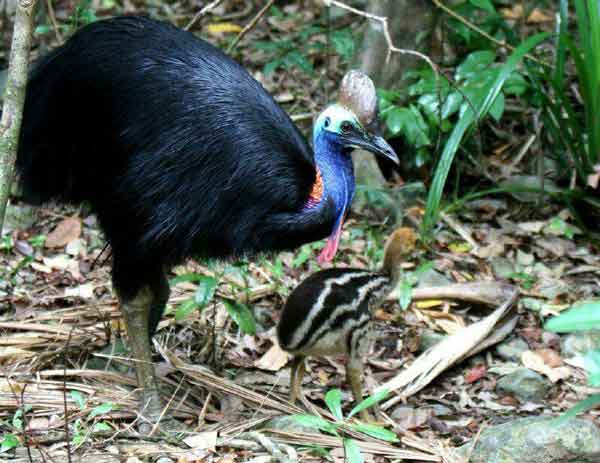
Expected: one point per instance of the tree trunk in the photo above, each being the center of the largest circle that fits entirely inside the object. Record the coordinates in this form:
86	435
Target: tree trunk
410	24
14	98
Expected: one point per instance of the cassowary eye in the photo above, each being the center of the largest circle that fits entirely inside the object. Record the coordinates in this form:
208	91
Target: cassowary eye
346	127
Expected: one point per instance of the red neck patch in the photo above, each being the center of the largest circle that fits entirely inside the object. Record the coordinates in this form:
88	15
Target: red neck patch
316	193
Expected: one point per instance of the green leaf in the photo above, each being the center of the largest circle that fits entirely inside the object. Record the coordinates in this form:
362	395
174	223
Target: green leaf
375	431
79	399
333	399
405	294
9	441
296	58
497	108
271	66
484	5
241	315
474	64
186	278
101	426
185	308
592	365
42	29
101	409
352	452
465	122
206	290
368	402
343	43
582	316
316	422
587	404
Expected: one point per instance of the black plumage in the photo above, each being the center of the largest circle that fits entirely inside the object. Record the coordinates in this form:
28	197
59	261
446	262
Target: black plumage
180	153
171	142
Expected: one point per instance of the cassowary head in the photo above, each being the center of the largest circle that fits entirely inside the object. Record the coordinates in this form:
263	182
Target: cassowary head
349	124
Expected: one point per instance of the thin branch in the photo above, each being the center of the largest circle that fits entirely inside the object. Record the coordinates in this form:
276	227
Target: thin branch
55	25
14	98
202	12
250	25
483	33
383	20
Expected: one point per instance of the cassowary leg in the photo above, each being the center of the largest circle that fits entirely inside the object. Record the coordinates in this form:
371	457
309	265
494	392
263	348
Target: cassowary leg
296	375
136	311
354	374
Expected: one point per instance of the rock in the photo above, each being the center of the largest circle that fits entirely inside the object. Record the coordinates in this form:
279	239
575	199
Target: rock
536	440
502	267
429	338
575	344
512	349
523	384
164	460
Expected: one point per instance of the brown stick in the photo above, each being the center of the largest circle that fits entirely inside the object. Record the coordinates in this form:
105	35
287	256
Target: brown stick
250	25
14	99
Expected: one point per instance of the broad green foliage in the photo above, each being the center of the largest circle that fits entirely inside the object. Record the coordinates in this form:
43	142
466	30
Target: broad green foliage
296	49
206	293
83	14
434	104
333	399
573	132
483	101
483	14
582	316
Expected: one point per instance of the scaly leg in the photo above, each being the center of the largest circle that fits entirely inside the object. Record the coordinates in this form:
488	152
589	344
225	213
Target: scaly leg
354	373
136	313
296	375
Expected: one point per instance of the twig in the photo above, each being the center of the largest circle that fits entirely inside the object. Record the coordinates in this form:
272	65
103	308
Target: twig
480	31
67	438
202	12
249	26
55	26
386	33
461	230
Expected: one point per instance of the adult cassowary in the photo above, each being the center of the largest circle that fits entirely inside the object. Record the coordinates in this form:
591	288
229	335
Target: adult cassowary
181	153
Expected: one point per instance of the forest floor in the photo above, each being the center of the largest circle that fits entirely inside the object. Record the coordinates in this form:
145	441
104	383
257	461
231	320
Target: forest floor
62	338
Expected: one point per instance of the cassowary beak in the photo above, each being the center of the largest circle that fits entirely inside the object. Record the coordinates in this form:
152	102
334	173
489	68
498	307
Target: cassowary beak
374	144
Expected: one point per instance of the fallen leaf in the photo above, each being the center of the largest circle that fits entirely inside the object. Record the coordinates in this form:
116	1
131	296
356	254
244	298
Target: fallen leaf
63	262
66	231
475	374
535	362
273	360
85	291
550	357
202	440
223	28
429	304
459	247
539	16
516	12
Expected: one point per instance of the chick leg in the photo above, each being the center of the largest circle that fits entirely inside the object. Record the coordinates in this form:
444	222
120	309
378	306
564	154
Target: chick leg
354	373
296	375
136	313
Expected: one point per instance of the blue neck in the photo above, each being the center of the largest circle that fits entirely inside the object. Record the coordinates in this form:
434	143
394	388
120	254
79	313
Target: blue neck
336	170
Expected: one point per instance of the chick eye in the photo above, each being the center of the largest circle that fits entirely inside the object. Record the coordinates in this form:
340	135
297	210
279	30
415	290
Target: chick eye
346	127
327	122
